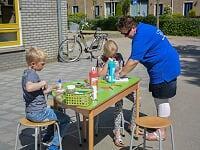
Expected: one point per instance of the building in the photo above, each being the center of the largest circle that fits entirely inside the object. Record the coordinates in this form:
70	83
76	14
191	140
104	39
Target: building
93	8
27	23
145	7
105	8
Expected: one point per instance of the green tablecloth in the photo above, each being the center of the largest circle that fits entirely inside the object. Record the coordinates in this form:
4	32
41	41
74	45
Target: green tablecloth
106	90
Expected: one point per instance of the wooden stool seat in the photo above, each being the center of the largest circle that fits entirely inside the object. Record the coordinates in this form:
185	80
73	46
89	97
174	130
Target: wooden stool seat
29	123
153	122
37	126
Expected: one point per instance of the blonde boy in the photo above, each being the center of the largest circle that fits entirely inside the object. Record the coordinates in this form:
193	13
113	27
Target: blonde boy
34	91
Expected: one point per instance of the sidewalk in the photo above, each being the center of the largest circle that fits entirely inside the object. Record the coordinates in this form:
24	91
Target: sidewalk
185	106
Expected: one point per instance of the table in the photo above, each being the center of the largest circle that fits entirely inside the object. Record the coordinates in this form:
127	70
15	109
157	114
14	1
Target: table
108	94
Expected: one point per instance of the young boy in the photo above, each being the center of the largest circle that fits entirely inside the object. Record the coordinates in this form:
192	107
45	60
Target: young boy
110	51
34	91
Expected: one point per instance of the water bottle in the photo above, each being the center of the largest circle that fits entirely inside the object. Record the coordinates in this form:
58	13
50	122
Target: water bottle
111	71
59	84
93	79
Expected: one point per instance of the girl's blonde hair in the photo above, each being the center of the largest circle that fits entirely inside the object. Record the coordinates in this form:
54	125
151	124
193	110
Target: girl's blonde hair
110	48
36	55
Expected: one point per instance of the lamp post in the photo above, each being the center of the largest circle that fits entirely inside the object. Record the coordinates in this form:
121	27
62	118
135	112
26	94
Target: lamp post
172	5
157	13
85	10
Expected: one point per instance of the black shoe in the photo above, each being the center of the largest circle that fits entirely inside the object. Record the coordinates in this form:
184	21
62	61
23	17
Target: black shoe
46	138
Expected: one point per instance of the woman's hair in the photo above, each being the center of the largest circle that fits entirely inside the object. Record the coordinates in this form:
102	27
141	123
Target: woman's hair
35	54
125	23
110	48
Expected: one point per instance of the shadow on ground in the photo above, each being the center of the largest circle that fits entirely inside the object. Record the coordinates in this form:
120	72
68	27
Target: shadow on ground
190	66
71	141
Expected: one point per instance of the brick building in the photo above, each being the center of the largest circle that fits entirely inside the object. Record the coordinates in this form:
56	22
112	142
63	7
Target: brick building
26	23
92	8
105	8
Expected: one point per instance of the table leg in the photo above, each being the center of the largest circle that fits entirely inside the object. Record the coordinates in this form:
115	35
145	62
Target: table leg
84	128
91	131
137	108
55	105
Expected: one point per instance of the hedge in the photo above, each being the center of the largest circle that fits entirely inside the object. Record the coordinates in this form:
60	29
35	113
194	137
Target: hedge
181	26
170	25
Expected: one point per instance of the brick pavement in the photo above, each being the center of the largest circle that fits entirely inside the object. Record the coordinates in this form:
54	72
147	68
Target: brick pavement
12	106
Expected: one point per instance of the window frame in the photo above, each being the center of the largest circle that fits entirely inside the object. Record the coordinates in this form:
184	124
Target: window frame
97	11
75	7
12	27
161	9
184	4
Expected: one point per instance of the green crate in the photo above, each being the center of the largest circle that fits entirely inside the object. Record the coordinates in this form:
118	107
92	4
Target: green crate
83	99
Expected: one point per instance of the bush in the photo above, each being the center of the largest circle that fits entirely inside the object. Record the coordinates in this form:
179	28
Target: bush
177	15
192	13
181	26
76	18
150	19
105	23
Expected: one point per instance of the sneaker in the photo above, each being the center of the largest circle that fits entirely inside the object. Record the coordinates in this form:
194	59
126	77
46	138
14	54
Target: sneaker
53	147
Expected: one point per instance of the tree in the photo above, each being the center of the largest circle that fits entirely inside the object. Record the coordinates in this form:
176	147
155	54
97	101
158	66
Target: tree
125	6
119	9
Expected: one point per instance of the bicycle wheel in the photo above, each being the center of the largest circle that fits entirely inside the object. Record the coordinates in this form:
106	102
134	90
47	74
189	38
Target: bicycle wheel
96	47
70	50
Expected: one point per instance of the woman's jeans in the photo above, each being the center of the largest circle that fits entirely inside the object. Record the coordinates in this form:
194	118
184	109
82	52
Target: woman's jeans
49	114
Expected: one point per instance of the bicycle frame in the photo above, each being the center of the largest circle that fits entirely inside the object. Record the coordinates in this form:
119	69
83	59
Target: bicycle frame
71	51
97	36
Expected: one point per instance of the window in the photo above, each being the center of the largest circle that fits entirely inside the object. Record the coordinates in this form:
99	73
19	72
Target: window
74	9
160	9
110	8
187	8
96	13
9	23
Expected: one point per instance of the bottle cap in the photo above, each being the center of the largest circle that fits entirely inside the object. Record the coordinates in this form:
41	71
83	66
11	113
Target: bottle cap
59	80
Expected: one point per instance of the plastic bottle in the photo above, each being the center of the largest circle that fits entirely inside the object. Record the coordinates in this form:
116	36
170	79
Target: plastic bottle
93	78
111	70
59	84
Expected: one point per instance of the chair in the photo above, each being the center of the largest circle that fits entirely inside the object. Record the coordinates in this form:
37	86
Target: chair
154	123
37	126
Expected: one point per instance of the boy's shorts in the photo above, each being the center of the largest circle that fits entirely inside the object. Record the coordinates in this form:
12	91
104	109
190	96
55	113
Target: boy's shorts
163	90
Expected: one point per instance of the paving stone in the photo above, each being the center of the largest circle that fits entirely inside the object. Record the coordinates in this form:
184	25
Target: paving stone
4	123
12	105
11	116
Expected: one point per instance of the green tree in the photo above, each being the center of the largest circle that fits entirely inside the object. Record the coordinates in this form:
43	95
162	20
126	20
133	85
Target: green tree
119	9
125	7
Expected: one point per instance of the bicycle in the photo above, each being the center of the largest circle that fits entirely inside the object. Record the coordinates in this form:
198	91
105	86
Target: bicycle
71	49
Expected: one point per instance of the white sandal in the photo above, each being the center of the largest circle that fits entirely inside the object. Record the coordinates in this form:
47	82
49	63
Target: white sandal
118	140
156	134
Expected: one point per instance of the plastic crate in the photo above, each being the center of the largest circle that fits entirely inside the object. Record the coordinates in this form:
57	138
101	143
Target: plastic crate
83	99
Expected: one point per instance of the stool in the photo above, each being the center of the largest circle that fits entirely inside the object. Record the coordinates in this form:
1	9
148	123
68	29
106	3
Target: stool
154	123
36	125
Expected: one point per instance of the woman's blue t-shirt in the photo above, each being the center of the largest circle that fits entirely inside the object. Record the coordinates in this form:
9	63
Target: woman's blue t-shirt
151	48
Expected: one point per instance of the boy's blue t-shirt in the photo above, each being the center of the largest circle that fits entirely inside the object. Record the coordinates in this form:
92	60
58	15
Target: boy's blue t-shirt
151	48
35	101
